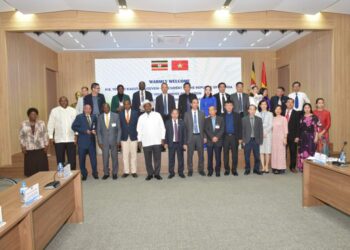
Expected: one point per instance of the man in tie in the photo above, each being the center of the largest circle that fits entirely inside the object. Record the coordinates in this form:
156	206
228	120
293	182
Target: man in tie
175	141
252	134
195	137
232	137
108	135
128	122
240	100
300	98
279	99
221	98
165	102
293	118
85	125
185	100
140	96
214	128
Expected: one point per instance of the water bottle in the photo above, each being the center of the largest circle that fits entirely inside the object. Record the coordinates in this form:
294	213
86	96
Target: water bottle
60	170
22	190
342	157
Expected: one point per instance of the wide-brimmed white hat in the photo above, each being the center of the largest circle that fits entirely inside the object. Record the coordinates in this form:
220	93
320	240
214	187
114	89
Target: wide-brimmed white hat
147	102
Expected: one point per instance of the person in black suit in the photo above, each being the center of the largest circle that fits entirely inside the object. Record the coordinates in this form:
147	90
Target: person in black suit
214	128
221	98
95	99
140	96
165	103
175	141
185	100
232	137
293	118
240	100
279	99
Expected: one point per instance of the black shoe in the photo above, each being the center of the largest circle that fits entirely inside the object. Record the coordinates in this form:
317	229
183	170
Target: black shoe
227	172
105	177
95	176
134	175
266	172
115	177
210	174
83	178
246	172
138	150
202	173
149	177
276	171
182	175
125	175
158	177
170	176
235	173
217	174
257	172
190	173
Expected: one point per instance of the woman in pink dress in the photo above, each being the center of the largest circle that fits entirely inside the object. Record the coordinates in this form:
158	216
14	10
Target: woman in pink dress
325	119
279	142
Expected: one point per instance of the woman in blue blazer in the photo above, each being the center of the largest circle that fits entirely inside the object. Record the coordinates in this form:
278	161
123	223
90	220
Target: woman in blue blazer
207	100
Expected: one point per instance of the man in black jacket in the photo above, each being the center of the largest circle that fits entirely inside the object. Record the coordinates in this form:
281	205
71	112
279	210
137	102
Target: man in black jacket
185	100
293	118
95	99
140	96
221	98
165	103
279	99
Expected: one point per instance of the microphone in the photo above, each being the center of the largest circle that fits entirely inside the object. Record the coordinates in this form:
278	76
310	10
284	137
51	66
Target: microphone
344	144
54	184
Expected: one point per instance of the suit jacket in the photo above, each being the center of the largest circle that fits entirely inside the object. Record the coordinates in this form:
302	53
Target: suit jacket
160	105
217	131
274	103
234	99
136	99
110	136
237	125
189	125
183	103
293	125
81	125
129	130
247	129
100	99
169	132
218	102
116	101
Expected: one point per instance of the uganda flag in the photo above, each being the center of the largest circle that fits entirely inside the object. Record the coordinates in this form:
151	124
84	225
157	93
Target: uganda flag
159	65
252	76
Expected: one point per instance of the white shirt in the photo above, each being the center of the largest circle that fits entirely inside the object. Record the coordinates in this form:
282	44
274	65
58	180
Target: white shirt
60	124
255	100
150	129
80	105
302	97
197	111
165	97
142	92
222	104
128	112
177	123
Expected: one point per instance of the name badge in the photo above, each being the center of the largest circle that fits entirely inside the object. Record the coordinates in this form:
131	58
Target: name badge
114	125
217	126
67	171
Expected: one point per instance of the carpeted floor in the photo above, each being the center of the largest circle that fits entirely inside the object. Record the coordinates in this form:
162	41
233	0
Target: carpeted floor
245	212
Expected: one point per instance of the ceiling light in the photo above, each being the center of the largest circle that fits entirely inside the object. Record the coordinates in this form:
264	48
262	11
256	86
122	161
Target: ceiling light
70	35
265	32
83	32
152	45
225	38
110	34
313	18
114	40
227	4
59	33
268	33
299	31
189	39
220	44
82	45
118	45
230	34
241	31
259	40
122	4
76	40
192	33
151	34
253	44
23	17
104	32
151	39
283	31
38	33
187	44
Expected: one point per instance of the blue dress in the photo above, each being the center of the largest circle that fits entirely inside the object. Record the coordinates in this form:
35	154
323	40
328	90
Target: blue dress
206	103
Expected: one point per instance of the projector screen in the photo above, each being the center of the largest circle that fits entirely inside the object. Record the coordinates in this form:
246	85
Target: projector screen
175	71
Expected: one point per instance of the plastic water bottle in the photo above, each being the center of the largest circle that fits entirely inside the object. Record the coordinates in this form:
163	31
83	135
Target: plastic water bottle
60	170
342	157
22	190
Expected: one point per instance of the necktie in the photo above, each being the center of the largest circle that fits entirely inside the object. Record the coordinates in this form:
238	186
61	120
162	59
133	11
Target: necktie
296	101
195	123
107	121
213	122
222	102
89	120
127	117
240	103
287	115
165	103
142	97
176	132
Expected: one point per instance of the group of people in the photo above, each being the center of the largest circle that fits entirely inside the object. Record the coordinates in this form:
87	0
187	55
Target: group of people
215	123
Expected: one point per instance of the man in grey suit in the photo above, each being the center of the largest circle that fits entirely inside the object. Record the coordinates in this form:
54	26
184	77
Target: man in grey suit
214	129
240	100
108	134
194	123
252	133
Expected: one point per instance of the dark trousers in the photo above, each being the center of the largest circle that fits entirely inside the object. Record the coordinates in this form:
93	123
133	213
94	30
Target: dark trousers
293	147
230	144
177	149
196	143
211	150
248	148
154	152
68	148
91	151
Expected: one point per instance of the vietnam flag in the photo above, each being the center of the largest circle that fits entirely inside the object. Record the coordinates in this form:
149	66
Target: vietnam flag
252	76
263	76
179	64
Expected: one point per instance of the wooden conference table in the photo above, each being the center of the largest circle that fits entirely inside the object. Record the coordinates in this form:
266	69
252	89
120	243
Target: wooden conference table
34	226
326	184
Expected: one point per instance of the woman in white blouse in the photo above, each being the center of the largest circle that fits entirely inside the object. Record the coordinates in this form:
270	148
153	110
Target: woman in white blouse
255	97
265	148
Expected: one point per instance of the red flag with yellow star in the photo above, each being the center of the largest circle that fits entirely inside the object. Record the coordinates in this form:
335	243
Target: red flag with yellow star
179	65
263	76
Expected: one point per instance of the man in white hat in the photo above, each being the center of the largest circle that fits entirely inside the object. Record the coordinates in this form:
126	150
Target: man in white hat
151	133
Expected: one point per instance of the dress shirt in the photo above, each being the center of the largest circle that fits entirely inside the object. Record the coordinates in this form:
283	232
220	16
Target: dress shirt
213	122
252	120
80	105
177	124
240	99
229	123
142	94
150	129
302	97
165	104
96	108
222	97
107	119
195	121
60	124
288	114
127	115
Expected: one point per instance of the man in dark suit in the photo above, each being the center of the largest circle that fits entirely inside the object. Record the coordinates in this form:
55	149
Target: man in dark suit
279	99
185	100
140	96
165	102
252	134
175	141
293	118
85	125
195	137
221	98
108	135
128	123
214	128
240	100
95	99
232	137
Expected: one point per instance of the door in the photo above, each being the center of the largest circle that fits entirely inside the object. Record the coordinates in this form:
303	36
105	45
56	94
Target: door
51	89
284	78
